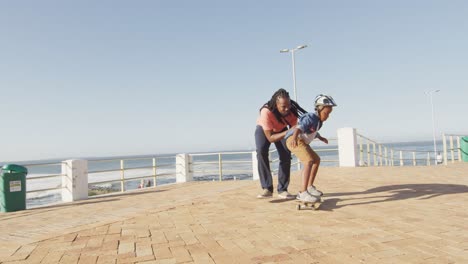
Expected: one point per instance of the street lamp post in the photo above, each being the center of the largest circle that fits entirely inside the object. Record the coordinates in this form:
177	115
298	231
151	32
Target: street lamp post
294	65
430	93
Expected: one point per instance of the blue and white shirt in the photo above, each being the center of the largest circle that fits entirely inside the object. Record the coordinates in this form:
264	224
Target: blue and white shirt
309	124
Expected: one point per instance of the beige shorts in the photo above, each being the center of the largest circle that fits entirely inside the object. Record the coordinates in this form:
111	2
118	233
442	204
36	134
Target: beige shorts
302	151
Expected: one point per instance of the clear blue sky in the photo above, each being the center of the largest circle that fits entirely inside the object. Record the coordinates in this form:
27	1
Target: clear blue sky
110	78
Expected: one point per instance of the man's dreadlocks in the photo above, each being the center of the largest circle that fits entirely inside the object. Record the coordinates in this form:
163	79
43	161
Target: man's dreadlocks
296	109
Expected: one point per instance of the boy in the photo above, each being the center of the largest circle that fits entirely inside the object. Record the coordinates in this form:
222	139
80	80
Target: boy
298	140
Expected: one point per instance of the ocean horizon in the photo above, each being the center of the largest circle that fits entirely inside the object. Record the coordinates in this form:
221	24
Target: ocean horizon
425	145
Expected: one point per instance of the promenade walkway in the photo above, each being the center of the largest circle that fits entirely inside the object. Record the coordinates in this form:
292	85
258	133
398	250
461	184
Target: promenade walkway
370	215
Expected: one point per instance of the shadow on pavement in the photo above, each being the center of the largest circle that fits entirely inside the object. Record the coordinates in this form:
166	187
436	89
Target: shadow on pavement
393	193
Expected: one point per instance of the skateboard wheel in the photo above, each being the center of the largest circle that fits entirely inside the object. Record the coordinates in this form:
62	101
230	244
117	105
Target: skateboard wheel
298	207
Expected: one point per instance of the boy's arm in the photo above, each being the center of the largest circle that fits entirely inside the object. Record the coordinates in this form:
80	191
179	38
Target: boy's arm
324	140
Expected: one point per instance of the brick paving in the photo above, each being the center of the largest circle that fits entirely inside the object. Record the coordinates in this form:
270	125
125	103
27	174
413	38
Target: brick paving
370	215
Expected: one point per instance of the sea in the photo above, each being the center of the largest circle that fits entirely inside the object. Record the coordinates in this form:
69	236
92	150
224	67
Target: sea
104	173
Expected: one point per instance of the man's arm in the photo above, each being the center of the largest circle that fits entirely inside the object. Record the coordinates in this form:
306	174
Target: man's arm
294	136
274	137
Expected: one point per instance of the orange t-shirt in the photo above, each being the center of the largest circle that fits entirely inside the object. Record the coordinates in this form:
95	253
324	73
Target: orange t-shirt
267	121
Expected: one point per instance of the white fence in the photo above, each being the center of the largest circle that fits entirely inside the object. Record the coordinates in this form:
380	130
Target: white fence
455	152
372	153
103	176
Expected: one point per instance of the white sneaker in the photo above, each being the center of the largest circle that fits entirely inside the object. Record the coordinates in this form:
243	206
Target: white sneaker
306	197
265	194
285	195
314	192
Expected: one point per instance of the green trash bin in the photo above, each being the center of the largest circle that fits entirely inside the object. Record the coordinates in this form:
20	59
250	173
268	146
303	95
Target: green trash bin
13	188
464	148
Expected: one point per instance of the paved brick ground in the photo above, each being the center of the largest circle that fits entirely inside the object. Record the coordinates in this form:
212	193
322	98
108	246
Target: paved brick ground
370	215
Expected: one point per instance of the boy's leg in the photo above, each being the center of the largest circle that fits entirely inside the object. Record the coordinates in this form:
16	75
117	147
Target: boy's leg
262	146
302	152
315	166
284	170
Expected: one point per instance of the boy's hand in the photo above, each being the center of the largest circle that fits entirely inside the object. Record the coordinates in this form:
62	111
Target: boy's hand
324	140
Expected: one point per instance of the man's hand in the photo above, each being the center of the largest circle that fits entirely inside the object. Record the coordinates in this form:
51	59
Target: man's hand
294	142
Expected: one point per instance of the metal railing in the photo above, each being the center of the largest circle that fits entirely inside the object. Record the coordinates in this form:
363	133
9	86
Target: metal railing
455	152
217	163
372	153
30	179
149	166
122	174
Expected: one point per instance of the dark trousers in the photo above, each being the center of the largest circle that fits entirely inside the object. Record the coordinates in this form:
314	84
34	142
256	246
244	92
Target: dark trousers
262	147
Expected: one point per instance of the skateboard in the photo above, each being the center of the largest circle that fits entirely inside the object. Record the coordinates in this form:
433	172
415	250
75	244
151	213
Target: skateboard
309	205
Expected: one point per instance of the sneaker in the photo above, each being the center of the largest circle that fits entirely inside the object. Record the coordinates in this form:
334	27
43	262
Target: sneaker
285	195
265	194
306	197
313	191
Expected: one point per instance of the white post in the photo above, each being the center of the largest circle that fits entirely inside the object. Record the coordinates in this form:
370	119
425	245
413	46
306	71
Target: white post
154	172
183	164
255	175
122	175
433	124
375	154
220	167
445	148
380	154
451	149
386	156
392	157
361	151
294	75
74	180
347	147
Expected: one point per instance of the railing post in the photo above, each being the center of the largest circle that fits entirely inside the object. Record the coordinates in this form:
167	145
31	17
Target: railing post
183	171
154	171
380	154
451	149
122	176
75	180
368	154
414	158
401	158
361	151
347	147
220	166
375	154
255	175
392	161
445	148
428	159
459	149
386	156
